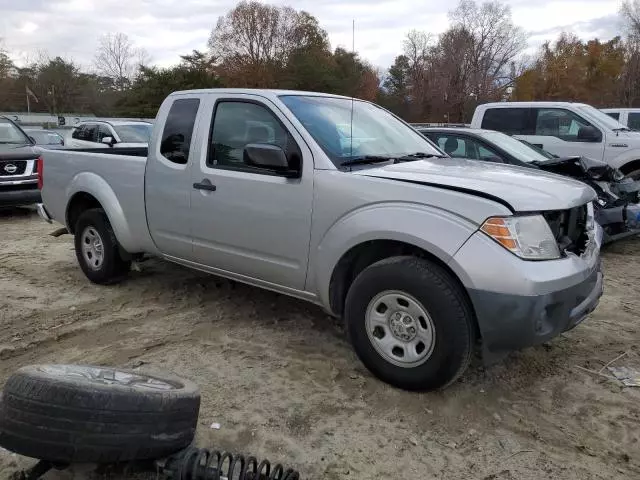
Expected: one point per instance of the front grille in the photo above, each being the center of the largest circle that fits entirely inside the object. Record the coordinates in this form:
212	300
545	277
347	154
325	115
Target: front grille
12	168
569	228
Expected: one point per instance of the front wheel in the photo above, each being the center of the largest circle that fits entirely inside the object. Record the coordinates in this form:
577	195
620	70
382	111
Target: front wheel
410	323
97	248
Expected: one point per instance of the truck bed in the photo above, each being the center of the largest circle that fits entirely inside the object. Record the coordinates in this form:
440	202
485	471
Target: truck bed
115	176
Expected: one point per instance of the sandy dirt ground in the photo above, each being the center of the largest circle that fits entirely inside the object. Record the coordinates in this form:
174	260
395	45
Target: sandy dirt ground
281	379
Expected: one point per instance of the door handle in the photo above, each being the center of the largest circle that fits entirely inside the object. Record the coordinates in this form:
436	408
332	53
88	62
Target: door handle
205	186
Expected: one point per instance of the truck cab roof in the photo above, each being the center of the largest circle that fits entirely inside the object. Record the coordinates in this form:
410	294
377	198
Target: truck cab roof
531	104
265	92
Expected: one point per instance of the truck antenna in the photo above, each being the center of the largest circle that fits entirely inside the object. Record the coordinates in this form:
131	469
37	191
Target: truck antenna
353	52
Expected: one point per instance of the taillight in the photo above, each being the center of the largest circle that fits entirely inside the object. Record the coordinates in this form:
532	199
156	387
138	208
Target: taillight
39	169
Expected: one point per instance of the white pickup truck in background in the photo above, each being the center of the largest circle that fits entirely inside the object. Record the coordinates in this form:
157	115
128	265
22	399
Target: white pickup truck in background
565	129
629	117
378	226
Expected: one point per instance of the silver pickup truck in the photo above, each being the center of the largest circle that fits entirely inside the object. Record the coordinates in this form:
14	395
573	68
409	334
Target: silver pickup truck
424	256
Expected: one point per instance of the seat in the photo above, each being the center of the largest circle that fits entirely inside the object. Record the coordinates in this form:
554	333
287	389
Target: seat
451	145
549	126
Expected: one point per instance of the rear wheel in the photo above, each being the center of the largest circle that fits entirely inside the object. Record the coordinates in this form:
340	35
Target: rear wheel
410	323
97	248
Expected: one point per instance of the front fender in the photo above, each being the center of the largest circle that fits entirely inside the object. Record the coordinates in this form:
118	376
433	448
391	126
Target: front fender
88	182
438	232
625	157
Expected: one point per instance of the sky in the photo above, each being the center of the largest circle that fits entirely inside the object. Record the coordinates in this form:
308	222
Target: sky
168	28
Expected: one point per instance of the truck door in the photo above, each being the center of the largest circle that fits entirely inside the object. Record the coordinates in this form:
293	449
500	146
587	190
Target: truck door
562	132
249	220
168	178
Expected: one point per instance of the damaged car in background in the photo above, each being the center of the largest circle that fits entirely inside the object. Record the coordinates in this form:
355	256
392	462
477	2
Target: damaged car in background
617	208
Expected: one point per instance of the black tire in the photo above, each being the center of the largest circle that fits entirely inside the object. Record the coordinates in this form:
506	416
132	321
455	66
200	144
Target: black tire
634	175
65	414
446	304
113	268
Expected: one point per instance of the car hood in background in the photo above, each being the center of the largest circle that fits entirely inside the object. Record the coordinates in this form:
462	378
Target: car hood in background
523	189
580	167
17	152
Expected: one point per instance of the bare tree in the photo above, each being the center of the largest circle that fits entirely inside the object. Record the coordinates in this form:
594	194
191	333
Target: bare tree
630	13
495	43
119	59
417	51
253	41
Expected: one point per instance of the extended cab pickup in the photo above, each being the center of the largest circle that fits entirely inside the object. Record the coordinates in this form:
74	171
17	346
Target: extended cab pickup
421	254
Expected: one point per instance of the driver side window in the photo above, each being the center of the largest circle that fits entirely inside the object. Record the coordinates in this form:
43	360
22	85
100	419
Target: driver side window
237	124
560	123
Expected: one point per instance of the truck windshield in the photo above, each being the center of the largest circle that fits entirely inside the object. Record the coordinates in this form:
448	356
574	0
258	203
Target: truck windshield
519	150
374	132
604	119
138	133
10	134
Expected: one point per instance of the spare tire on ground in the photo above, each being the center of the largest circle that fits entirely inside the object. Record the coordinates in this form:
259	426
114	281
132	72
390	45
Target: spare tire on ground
90	414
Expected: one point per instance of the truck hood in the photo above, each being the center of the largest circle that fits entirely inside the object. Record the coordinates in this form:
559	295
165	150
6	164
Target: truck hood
520	188
12	151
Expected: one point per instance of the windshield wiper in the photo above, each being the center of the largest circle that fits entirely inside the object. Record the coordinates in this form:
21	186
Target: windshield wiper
367	159
417	156
622	129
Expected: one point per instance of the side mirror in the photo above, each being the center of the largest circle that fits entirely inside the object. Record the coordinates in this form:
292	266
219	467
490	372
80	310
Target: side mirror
589	134
269	157
33	140
108	141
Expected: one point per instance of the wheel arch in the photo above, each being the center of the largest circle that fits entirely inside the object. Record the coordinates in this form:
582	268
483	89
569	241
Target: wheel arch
631	166
364	254
88	190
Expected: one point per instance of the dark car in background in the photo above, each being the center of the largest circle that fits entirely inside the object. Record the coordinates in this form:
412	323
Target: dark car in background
618	206
45	138
18	166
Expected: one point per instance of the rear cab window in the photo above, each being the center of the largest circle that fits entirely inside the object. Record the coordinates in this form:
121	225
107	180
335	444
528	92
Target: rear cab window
513	121
614	115
178	130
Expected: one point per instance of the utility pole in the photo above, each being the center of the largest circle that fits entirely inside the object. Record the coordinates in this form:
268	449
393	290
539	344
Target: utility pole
53	94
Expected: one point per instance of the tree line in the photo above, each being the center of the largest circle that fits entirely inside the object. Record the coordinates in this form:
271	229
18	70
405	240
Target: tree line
442	78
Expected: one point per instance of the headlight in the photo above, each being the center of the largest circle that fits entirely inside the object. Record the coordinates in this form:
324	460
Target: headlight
529	236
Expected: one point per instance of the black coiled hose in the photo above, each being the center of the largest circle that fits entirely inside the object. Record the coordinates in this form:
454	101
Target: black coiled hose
204	464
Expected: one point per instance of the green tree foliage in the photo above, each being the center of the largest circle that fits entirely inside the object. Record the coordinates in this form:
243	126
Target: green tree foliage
153	84
572	70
